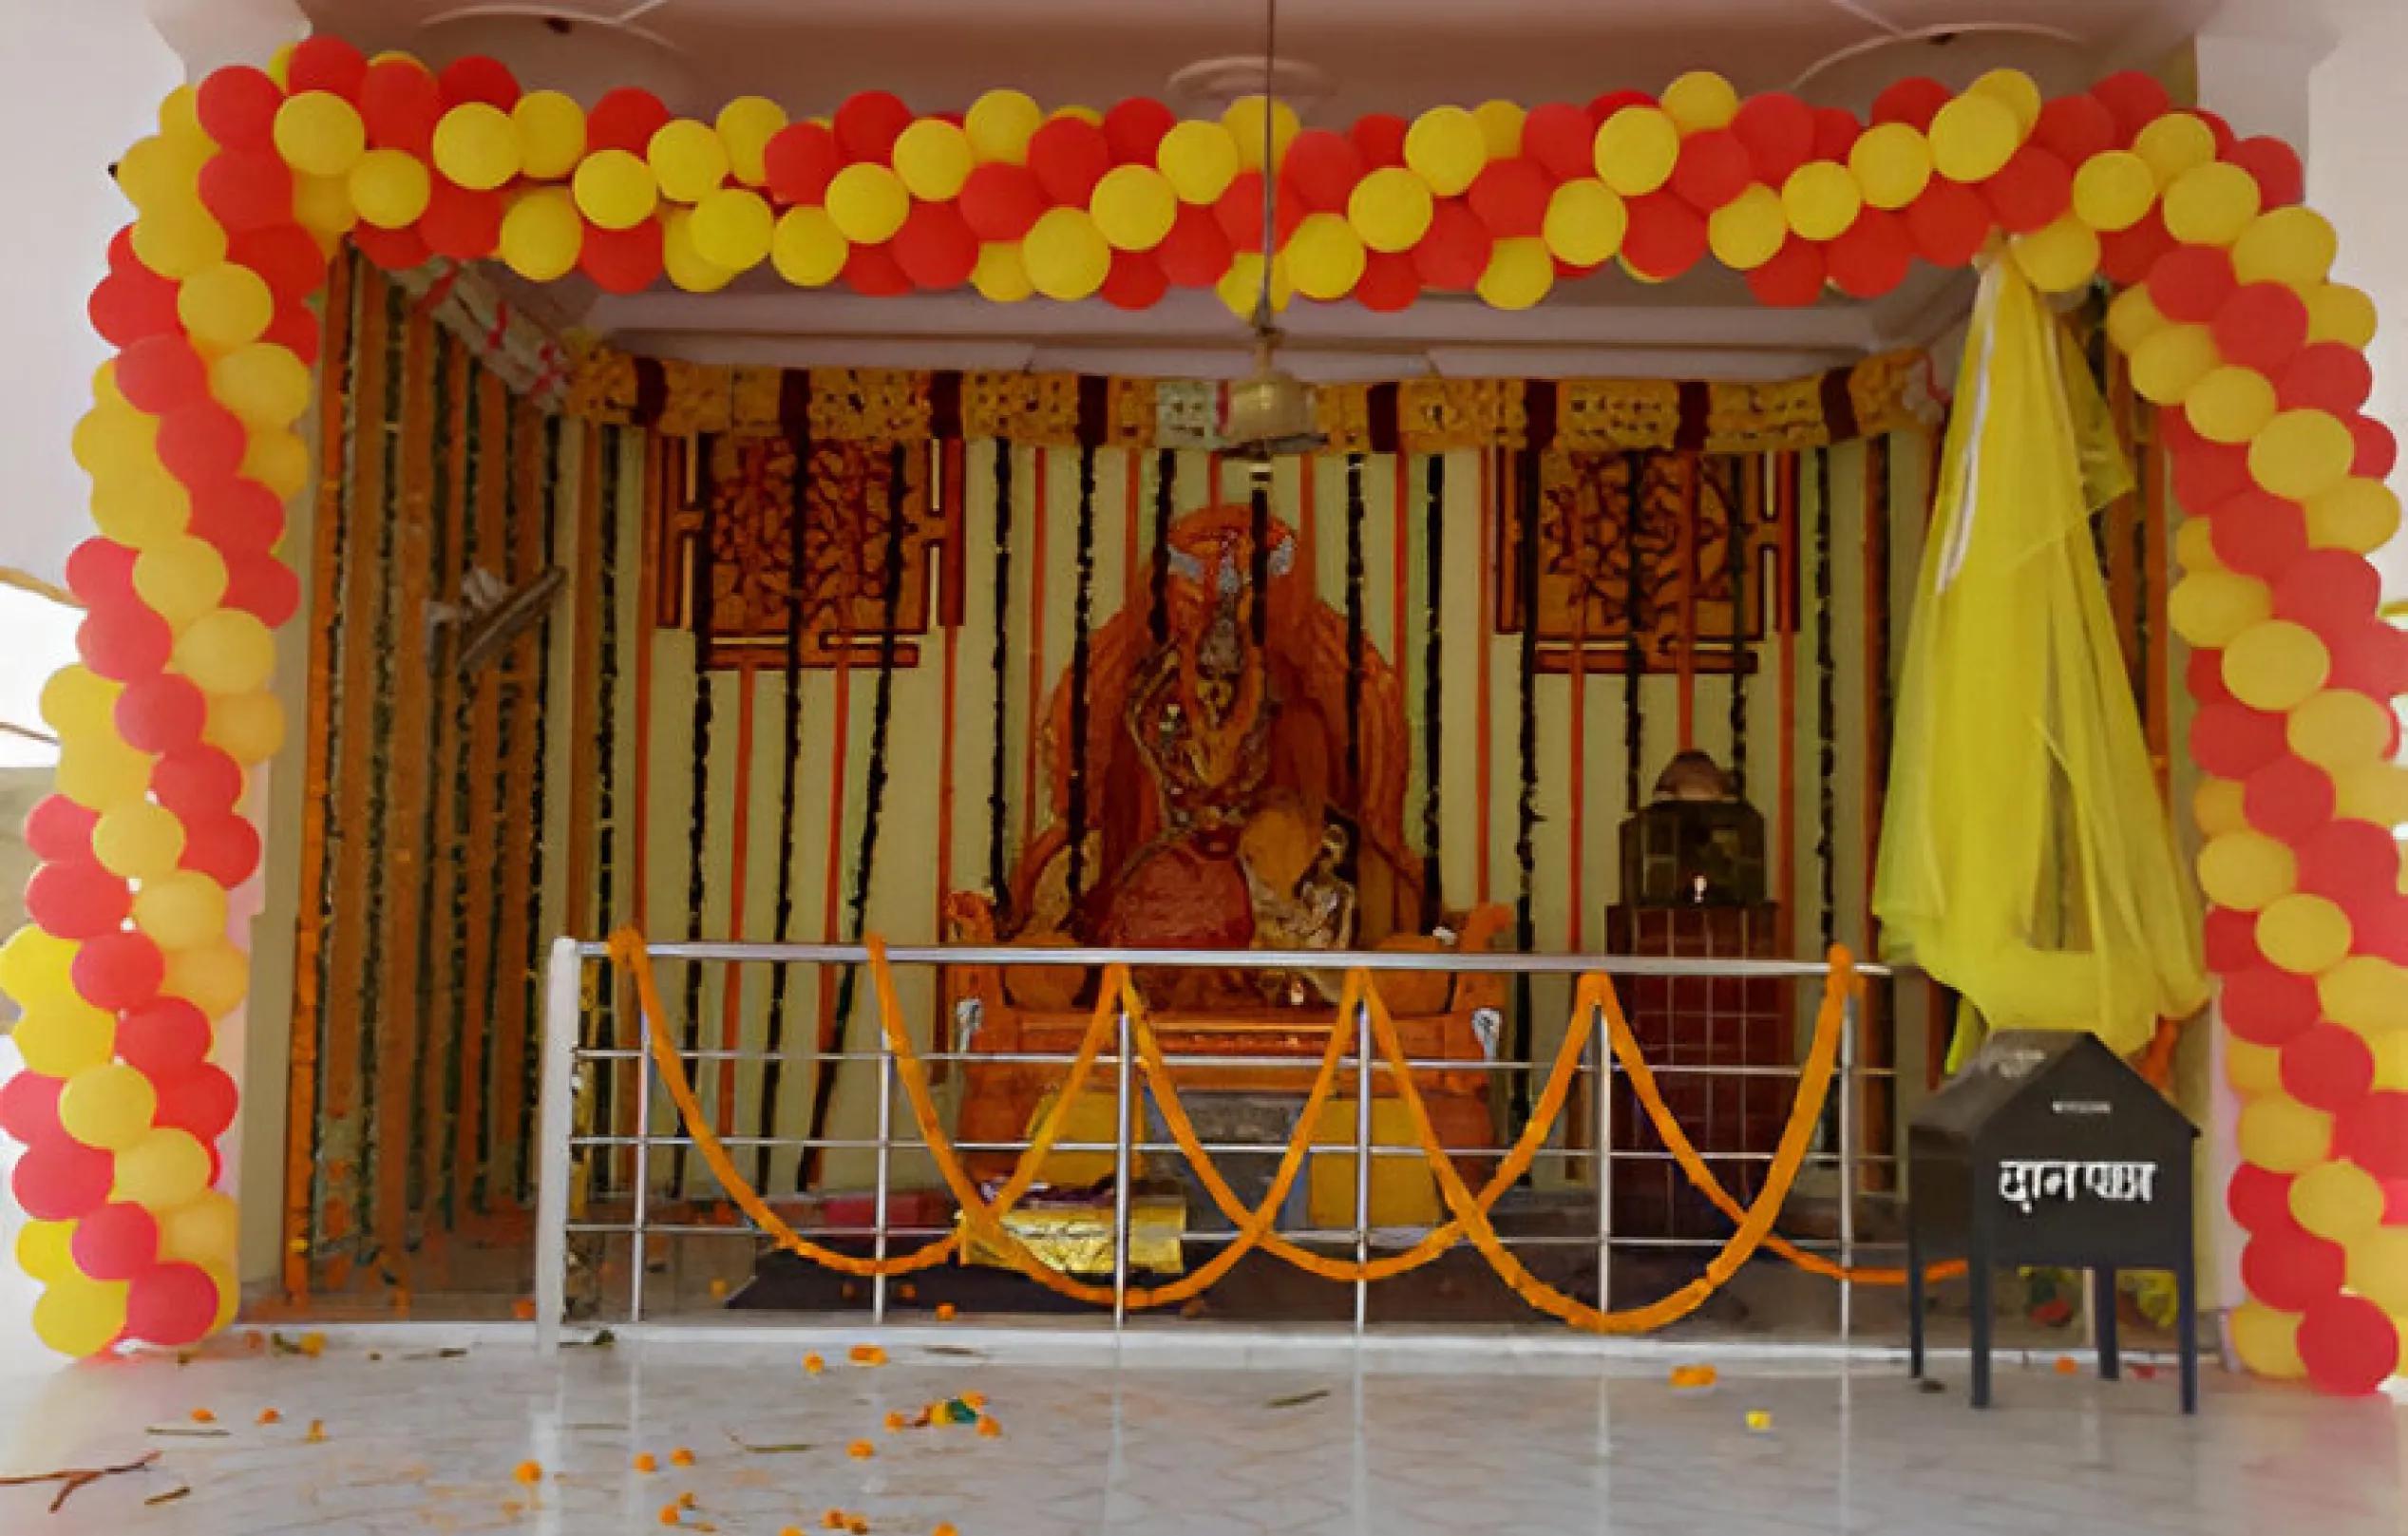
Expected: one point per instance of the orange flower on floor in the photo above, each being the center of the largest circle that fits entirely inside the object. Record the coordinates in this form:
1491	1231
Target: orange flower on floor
668	1515
681	1457
203	1416
645	1463
317	1432
313	1345
2065	1365
989	1429
908	1291
523	1309
977	1400
789	1530
857	1525
861	1451
944	1529
813	1365
868	1355
946	1311
685	1501
718	1289
895	1421
529	1472
833	1520
269	1416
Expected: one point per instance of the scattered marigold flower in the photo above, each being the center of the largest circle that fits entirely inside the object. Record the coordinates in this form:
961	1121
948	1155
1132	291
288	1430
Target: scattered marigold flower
1758	1420
989	1429
254	1341
529	1472
646	1463
718	1289
313	1345
946	1311
686	1500
861	1451
317	1432
908	1291
203	1416
862	1354
681	1457
1686	1378
789	1530
858	1526
523	1309
269	1416
894	1422
833	1520
944	1529
669	1514
975	1399
2065	1366
813	1364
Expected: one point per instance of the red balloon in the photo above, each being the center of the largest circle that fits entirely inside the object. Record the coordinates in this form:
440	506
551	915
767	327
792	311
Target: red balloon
2373	1133
399	104
624	119
621	261
2232	741
285	258
29	1108
1068	155
2075	127
236	514
2259	1199
116	971
2349	1344
869	120
1135	281
1562	140
125	641
1379	138
1837	131
1914	100
393	250
99	571
2191	283
2275	166
1390	282
2290	1269
57	830
1949	222
2209	474
1872	256
77	901
1793	279
1240	211
201	1101
2356	864
1323	167
2327	1068
459	223
2288	799
201	444
873	271
2329	376
236	105
159	373
295	330
164	1038
1714	168
1453	251
478	78
801	158
262	587
170	1305
2367	659
2377	450
2134	99
1778	131
2126	255
2328	589
326	63
1510	197
934	247
1667	237
2267	1007
247	189
2202	672
1134	128
2232	941
121	250
2262	326
127	305
2258	533
2225	139
162	714
198	784
116	1242
1196	251
2030	191
1603	106
225	848
1001	201
60	1179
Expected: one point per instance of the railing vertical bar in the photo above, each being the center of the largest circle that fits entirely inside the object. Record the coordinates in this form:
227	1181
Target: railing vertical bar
554	1123
1121	1155
641	1259
885	1167
1848	1017
1602	1086
1362	1162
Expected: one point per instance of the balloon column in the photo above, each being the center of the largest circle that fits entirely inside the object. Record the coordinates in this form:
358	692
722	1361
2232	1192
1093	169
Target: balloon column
2228	317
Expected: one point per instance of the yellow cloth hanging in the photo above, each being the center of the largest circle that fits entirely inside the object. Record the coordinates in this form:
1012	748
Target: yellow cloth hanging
2026	858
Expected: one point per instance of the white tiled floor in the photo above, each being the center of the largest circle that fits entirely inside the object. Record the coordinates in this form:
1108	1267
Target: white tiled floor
1514	1444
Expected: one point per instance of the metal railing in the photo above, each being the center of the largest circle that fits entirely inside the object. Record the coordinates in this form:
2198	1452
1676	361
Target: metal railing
564	1056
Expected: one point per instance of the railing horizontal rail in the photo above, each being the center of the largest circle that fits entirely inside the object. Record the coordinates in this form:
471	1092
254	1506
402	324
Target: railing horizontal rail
1472	962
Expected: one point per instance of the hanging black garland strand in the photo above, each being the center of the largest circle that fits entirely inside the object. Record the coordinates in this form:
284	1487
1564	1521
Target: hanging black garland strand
606	734
435	748
1433	559
998	880
505	759
1158	574
1739	514
463	691
1083	615
1258	570
702	604
873	798
380	757
1826	703
789	762
531	1066
1526	810
1354	660
1635	631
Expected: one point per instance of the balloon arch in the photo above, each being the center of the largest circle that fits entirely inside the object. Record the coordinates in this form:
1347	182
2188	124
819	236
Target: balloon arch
255	177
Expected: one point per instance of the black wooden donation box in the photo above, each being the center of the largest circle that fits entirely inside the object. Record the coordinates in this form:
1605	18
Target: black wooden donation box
2047	1149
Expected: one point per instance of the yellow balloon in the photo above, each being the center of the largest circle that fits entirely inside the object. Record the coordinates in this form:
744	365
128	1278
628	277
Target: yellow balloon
2268	1342
2391	1060
180	910
1973	136
262	383
179	117
2195	548
165	1169
80	1316
139	840
181	580
111	435
179	238
1586	222
2113	191
688	160
2275	665
1390	209
1325	257
1134	207
745	126
2305	934
2230	403
390	188
542	235
100	771
1519	274
2336	312
2339	729
1198	160
2211	204
34	966
688	267
551	129
322	205
2016	90
1241	288
1244	118
319	134
212	976
2364	993
225	305
2247	871
1067	255
933	159
1891	162
2253	1069
2170	360
807	249
2357	514
2284	1135
1634	150
869	205
280	461
150	173
734	228
1000	277
2375	793
615	190
2378	1266
77	703
476	145
2174	145
2302	454
1750	230
204	1232
2294	246
1446	150
1701	101
1821	199
2209	608
1000	124
248	728
2059	259
2132	318
42	1249
61	1036
227	652
2339	1202
1500	127
141	504
2216	805
108	1106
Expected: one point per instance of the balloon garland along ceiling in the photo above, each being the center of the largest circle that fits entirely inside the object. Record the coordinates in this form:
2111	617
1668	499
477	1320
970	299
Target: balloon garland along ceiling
254	177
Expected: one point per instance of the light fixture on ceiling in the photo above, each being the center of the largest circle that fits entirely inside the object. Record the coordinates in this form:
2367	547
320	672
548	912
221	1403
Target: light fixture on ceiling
1270	410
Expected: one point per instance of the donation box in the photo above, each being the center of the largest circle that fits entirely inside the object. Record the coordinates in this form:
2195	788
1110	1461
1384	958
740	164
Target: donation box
2048	1149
